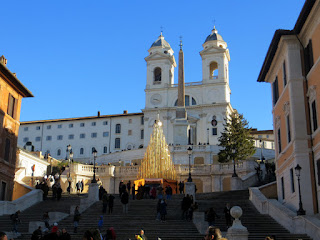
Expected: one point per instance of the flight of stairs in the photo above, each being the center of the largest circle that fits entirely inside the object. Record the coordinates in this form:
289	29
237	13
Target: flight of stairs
142	214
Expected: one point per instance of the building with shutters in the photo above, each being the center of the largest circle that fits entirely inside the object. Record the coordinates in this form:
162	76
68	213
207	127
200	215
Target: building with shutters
292	68
11	93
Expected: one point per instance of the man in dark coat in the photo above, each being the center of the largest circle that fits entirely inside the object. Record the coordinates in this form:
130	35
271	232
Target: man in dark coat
37	234
65	235
104	202
129	186
125	201
110	203
227	215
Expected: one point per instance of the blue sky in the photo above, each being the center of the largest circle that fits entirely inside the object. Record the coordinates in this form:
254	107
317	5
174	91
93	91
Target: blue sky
78	57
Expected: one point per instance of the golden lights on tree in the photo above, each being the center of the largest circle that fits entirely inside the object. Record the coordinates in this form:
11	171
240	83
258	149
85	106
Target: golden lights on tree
157	161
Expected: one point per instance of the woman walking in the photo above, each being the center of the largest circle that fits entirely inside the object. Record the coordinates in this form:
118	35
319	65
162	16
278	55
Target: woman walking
76	219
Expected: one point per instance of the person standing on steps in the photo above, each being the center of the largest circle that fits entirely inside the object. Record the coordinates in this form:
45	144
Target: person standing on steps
46	219
104	202
110	203
210	216
100	223
82	185
129	187
227	215
163	210
64	235
133	192
59	191
125	201
15	221
76	219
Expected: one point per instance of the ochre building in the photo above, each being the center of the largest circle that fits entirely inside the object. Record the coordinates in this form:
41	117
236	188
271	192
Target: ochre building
292	68
11	93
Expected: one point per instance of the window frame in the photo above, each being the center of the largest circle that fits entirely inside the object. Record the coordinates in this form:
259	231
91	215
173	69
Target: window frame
117	143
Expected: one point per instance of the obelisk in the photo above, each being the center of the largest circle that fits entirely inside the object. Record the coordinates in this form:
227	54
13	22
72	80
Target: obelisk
181	125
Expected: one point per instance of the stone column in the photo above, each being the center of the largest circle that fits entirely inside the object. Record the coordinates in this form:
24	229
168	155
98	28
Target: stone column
93	193
237	231
190	188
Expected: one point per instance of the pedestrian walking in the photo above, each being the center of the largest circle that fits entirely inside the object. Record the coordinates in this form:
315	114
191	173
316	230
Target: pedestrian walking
82	185
125	201
76	219
78	186
59	191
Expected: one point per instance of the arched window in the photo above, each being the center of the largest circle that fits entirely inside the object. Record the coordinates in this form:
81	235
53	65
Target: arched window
118	128
59	152
105	149
157	75
213	70
187	100
81	151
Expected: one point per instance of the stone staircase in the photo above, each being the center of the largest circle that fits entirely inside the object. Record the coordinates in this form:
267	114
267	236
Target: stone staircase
36	212
142	214
258	225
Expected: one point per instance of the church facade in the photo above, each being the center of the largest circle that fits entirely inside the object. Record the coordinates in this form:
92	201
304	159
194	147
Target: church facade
192	113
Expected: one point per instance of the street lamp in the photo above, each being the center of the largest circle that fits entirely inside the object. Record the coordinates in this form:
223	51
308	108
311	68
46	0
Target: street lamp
261	153
301	211
94	152
69	158
189	153
234	164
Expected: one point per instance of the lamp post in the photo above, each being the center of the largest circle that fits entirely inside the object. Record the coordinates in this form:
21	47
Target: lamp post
300	211
261	153
69	158
189	153
94	152
234	164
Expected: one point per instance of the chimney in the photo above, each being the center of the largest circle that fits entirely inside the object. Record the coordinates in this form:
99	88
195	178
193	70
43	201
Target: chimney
3	60
98	113
125	111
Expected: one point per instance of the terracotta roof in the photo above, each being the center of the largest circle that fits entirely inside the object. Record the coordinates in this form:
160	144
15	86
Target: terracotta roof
81	118
306	9
14	81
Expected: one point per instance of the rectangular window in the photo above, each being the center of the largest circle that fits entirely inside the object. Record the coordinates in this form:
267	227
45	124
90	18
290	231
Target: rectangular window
282	188
105	149
93	135
59	137
142	134
38	139
308	57
71	125
71	136
284	70
117	143
49	138
187	100
25	129
105	123
142	120
118	128
318	171
48	126
3	190
279	140
129	132
82	135
314	115
288	129
130	120
25	139
275	90
81	124
214	131
7	150
105	134
11	106
60	126
292	180
37	127
93	123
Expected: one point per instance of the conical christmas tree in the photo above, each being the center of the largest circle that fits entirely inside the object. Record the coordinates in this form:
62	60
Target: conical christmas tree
157	161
